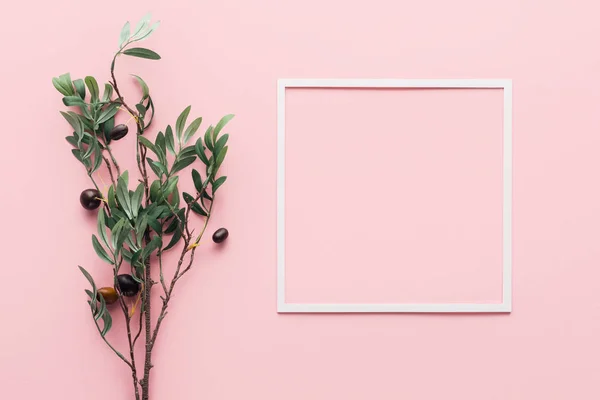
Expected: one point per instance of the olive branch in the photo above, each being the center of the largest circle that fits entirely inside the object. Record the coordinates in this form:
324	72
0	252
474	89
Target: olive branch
134	224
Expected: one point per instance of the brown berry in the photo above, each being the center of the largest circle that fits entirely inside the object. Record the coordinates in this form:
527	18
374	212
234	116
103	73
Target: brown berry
110	294
220	235
90	199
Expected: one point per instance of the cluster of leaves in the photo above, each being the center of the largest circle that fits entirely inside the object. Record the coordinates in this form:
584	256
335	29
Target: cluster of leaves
91	127
134	224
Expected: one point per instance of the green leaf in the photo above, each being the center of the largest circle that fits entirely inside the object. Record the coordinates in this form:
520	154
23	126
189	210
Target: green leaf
148	144
175	198
170	140
75	122
93	304
107	126
97	158
73	101
160	144
220	158
108	92
181	164
155	225
218	184
107	323
144	86
181	120
170	185
154	189
188	198
64	89
198	210
191	129
148	32
220	144
92	85
80	88
175	238
108	113
124	233
77	154
123	195
141	225
208	138
125	33
197	181
100	250
90	280
200	151
116	231
112	201
72	140
154	244
186	152
141	109
220	125
136	200
141	26
102	228
158	167
142	53
148	107
101	310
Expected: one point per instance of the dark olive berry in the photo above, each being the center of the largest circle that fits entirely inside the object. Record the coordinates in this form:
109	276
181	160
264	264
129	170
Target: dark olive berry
127	285
118	132
90	199
220	235
110	294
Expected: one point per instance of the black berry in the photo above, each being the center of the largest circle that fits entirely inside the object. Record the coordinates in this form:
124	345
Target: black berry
118	132
220	235
90	199
127	285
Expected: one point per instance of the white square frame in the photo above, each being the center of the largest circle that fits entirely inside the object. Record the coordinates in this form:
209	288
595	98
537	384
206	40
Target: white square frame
506	305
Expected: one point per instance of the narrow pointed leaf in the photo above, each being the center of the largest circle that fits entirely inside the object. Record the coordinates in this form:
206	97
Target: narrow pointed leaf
181	120
92	85
200	151
102	228
100	250
170	140
191	129
108	92
181	164
80	88
197	181
144	86
142	53
125	32
218	183
220	126
174	239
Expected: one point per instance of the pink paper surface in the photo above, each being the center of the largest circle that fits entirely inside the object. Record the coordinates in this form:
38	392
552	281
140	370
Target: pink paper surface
394	195
222	338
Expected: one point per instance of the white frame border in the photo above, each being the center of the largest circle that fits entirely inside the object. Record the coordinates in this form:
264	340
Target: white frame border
506	305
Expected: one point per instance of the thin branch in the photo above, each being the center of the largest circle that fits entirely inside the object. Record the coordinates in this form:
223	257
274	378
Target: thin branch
112	178
178	275
121	356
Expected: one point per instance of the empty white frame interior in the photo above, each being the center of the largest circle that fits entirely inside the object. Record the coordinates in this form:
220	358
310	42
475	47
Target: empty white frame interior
506	304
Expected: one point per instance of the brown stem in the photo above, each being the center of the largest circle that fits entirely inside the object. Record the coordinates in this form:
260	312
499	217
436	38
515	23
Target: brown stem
145	382
178	275
131	346
112	178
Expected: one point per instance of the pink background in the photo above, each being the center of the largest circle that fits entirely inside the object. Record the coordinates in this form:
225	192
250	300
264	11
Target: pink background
222	338
401	198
